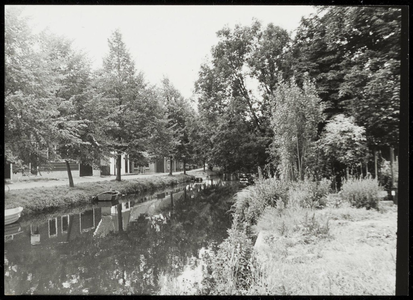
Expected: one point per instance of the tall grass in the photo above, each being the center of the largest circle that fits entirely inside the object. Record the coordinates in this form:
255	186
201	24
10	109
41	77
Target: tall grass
362	192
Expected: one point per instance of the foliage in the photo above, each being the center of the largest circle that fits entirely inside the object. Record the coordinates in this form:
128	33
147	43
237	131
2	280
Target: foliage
233	93
296	113
354	55
229	270
252	201
135	122
179	113
362	192
300	223
343	141
385	177
30	86
308	194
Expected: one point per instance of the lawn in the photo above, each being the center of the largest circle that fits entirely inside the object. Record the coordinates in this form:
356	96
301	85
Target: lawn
35	200
356	257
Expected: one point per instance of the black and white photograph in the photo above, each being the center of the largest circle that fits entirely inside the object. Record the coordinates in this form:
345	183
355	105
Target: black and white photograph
231	150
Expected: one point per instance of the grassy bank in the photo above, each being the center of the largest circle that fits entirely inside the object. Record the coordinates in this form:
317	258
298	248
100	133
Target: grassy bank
36	200
309	243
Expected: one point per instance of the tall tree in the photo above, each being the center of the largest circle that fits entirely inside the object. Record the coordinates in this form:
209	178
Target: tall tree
136	122
354	55
235	87
342	145
30	93
297	113
121	85
179	111
75	138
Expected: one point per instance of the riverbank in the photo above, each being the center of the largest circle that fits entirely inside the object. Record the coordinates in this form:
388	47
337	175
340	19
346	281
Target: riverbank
40	199
286	241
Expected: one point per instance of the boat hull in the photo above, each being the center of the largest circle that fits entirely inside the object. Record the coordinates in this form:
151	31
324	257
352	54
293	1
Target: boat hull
12	215
108	196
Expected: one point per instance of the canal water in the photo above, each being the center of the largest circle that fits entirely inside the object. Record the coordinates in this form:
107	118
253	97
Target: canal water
135	245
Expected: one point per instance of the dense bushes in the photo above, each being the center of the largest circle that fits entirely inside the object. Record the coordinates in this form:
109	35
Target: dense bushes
307	194
252	201
362	192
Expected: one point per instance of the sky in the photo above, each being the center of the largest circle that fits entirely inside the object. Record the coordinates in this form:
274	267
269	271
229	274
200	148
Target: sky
164	41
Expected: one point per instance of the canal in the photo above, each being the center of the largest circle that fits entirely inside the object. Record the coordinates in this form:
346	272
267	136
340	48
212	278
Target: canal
135	245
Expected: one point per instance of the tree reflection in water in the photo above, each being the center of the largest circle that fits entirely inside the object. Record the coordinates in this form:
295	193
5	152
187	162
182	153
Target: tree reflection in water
129	261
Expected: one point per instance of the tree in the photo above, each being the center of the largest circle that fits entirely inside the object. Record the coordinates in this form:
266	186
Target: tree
343	145
136	122
234	91
75	138
199	138
297	113
354	55
31	84
178	110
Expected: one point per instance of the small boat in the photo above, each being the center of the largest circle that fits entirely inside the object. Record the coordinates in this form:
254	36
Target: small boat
12	215
111	195
106	203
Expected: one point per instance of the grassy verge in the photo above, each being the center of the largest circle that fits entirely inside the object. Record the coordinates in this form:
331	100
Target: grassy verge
37	200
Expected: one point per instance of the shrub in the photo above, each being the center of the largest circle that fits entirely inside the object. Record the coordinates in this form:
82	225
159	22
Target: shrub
251	201
307	194
362	192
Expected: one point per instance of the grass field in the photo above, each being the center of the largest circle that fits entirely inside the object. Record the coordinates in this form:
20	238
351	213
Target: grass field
356	257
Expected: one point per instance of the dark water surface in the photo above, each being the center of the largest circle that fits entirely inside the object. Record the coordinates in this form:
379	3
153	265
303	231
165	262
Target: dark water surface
126	247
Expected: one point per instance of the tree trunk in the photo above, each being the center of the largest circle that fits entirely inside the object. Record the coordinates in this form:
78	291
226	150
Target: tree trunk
120	221
170	166
69	231
299	162
118	167
391	165
184	166
375	164
361	170
204	165
69	174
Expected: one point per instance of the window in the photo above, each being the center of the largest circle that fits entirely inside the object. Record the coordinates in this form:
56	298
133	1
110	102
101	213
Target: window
87	220
65	223
52	224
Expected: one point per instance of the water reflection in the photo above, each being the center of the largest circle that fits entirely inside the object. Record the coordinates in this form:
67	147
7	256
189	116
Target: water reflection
120	247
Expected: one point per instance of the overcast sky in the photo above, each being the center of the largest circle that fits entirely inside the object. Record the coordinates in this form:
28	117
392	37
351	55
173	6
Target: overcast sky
170	41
